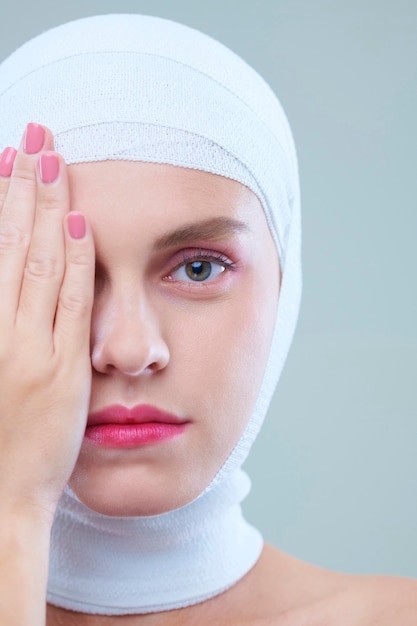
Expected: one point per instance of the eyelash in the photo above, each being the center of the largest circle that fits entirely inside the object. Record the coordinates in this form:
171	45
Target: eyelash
202	255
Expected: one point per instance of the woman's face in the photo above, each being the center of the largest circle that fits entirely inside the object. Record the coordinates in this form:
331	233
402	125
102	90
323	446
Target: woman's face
187	284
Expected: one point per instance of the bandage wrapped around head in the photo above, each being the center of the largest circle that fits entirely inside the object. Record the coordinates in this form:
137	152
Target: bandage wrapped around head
140	88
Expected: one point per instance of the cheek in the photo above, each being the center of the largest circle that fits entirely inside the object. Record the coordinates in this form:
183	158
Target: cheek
245	349
224	348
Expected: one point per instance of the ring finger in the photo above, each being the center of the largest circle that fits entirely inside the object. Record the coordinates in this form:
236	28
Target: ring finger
17	216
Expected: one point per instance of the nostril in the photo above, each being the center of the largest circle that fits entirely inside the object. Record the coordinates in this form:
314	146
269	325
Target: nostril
126	333
117	353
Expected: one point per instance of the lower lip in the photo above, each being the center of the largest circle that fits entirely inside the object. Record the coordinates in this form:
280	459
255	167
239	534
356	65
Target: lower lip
132	435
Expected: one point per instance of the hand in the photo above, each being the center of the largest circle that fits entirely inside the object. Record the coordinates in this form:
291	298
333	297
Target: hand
46	296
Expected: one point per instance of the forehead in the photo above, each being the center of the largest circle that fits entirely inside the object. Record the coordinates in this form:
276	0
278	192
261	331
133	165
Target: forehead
158	195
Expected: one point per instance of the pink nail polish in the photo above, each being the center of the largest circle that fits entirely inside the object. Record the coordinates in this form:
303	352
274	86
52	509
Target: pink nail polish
34	138
76	225
48	167
6	161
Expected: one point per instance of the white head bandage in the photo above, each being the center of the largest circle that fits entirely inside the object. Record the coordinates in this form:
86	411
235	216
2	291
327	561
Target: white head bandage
139	88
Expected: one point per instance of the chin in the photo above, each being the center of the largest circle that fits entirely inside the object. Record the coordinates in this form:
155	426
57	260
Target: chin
121	495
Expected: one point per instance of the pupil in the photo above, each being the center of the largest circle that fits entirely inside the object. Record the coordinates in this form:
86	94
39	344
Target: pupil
198	270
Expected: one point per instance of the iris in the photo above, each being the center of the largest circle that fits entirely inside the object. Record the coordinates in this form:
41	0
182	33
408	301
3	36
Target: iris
198	270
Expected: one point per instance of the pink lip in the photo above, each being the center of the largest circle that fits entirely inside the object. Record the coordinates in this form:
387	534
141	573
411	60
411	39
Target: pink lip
118	426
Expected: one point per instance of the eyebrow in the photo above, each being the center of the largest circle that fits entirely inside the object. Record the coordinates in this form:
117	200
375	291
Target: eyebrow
215	228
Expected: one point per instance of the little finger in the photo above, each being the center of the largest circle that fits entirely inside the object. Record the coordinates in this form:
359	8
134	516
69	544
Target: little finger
7	158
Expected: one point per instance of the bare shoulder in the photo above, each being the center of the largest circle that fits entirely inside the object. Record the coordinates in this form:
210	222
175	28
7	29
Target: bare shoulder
370	601
301	594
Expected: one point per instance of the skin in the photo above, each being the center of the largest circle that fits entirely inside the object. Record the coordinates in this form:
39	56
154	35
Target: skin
195	349
136	330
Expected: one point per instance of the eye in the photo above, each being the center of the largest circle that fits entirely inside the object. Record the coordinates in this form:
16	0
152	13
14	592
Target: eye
199	270
199	267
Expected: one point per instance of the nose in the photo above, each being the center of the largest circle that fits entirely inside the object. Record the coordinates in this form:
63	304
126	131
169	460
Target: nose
126	338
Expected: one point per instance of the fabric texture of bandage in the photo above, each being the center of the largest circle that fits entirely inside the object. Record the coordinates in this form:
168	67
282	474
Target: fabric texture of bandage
141	88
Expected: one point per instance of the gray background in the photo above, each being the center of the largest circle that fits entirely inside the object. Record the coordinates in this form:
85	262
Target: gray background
334	469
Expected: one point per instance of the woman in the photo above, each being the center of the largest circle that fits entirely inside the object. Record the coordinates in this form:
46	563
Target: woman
142	342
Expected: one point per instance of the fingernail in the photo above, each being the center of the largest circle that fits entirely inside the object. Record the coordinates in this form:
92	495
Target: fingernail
34	138
6	161
76	225
48	167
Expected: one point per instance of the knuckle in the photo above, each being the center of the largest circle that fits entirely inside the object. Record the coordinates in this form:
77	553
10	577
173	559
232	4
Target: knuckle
23	173
4	185
80	259
74	302
15	360
49	202
12	237
42	267
31	381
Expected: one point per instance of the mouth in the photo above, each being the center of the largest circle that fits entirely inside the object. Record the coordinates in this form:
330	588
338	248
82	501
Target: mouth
119	426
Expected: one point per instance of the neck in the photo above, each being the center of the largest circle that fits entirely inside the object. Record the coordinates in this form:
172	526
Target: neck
121	565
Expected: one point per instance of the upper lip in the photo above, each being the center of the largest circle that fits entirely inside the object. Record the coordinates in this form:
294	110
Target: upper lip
140	414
